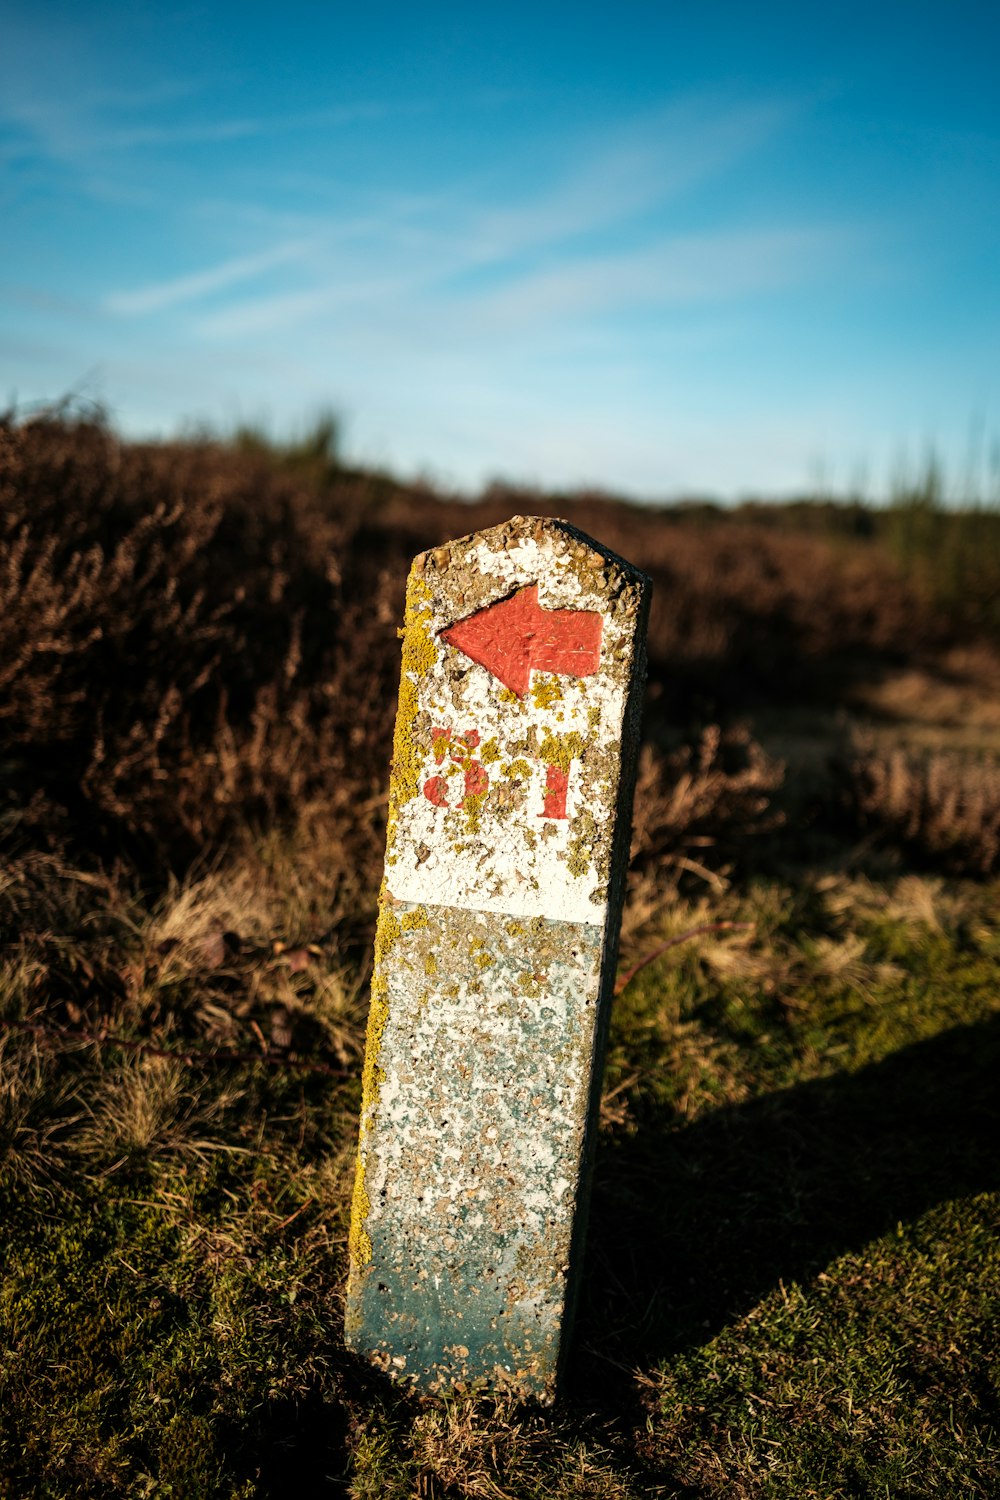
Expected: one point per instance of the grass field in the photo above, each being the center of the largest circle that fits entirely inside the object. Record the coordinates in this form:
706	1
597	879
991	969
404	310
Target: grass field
793	1260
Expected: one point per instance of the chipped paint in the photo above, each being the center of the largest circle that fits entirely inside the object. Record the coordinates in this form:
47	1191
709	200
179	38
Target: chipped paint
495	947
480	856
481	1116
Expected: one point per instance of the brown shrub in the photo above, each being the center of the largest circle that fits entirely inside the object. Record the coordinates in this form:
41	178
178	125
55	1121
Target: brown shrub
942	808
197	637
178	639
745	610
698	807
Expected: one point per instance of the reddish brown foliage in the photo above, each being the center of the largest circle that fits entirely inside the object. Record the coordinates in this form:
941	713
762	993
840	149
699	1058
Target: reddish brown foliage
194	637
943	809
179	647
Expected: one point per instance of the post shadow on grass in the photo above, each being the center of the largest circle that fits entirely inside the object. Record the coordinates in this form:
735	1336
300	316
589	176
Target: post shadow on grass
693	1224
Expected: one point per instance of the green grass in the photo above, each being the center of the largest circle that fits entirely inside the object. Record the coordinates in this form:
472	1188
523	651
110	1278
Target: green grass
792	1268
798	1232
789	1282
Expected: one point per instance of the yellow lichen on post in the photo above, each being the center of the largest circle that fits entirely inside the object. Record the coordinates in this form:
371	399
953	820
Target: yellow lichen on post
411	920
561	749
387	931
546	691
494	944
359	1245
472	804
419	656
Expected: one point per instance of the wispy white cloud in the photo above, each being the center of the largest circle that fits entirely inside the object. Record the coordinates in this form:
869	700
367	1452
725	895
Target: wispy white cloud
67	96
76	131
681	271
456	264
646	163
219	278
290	310
677	271
123	96
125	137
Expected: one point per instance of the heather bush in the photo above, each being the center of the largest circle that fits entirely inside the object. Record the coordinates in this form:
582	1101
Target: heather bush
178	641
942	808
199	638
792	1257
696	809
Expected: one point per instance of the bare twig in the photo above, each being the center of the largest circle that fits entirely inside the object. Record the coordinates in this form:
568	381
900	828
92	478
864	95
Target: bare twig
672	943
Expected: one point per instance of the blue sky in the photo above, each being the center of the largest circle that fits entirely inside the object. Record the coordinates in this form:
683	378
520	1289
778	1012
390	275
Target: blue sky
658	248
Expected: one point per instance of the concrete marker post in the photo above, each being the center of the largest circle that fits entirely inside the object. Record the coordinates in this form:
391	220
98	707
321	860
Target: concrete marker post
509	819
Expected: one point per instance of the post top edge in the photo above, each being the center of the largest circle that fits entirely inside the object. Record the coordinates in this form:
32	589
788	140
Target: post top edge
522	529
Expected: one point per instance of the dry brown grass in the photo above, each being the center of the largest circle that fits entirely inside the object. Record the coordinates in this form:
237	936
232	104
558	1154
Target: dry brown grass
148	1106
38	1111
198	639
176	643
694	807
199	673
942	808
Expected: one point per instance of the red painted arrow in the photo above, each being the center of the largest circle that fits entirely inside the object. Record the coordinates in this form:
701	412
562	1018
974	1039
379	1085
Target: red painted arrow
516	635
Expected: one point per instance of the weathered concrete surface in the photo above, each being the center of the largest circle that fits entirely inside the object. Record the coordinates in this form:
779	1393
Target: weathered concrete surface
513	768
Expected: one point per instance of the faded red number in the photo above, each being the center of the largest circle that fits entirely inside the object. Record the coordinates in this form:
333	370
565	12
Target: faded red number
436	791
459	749
556	787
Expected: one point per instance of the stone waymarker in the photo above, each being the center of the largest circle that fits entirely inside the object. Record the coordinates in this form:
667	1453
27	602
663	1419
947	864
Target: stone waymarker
509	811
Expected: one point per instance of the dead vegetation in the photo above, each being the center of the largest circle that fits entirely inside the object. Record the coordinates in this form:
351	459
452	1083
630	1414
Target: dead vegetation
198	639
198	669
176	646
696	806
941	807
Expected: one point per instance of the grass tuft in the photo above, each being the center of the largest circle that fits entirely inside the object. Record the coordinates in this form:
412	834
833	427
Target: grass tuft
791	1272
